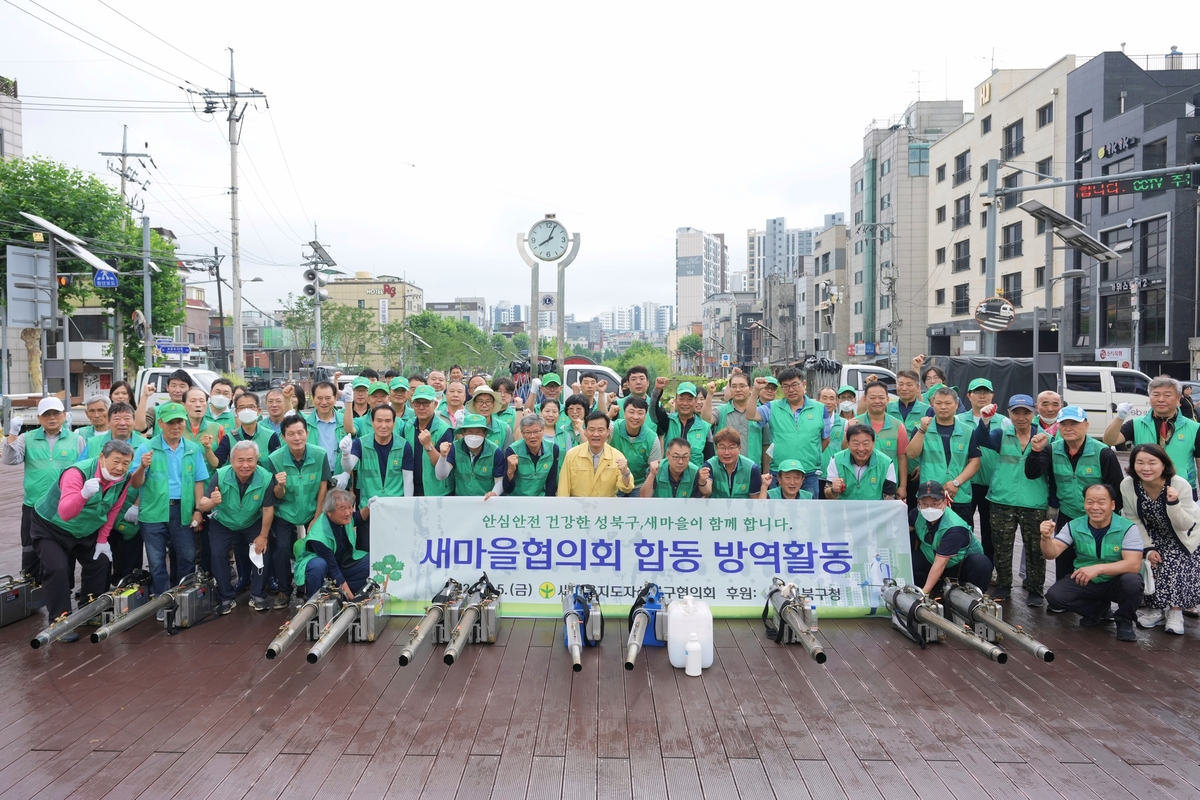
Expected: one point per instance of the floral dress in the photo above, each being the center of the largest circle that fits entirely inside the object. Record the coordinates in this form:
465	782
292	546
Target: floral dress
1177	577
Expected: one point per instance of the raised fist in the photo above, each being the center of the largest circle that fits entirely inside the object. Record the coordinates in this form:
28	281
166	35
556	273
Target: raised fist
206	441
281	478
444	449
759	383
653	469
918	361
871	378
705	475
147	458
660	383
924	424
289	391
622	463
149	391
513	461
602	386
767	480
837	486
988	411
345	444
1039	441
1172	494
712	386
1047	529
1124	410
425	439
14	426
90	487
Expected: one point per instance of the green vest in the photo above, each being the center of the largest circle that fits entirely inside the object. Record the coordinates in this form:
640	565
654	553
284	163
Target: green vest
473	479
753	443
635	449
662	482
1009	485
933	457
97	442
697	435
497	433
239	511
509	417
320	532
430	485
988	458
226	419
1110	547
837	432
314	440
915	413
299	503
530	480
370	484
95	509
721	482
1180	448
929	544
154	505
206	426
887	441
564	434
870	485
262	438
42	467
649	423
776	493
87	432
798	437
1071	482
127	529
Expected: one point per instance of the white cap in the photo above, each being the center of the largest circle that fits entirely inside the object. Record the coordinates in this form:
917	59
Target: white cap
49	404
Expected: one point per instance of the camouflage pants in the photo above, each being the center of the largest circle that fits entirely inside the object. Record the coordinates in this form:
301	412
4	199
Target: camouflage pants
1005	520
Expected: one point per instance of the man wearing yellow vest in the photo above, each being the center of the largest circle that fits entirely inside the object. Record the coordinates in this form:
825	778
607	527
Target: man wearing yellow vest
74	519
331	549
683	423
800	427
1166	426
1108	560
302	478
860	472
595	468
531	463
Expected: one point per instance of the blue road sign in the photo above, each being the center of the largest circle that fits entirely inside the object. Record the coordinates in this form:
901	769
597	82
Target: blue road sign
104	280
175	349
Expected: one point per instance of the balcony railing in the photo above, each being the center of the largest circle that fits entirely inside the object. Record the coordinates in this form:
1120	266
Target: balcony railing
962	175
1011	249
1014	148
961	263
961	220
960	307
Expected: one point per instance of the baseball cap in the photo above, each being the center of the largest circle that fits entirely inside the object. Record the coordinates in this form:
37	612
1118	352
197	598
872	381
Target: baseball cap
551	379
473	421
170	411
791	465
771	379
50	404
979	383
931	489
845	387
424	393
1074	413
360	383
1020	401
378	386
687	387
398	382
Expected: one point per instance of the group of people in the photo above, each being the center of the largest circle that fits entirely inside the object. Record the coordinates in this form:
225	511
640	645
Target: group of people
278	498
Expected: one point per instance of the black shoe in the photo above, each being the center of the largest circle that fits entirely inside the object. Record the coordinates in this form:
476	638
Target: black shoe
281	601
226	607
1001	592
68	637
1034	599
1053	610
1091	620
1125	631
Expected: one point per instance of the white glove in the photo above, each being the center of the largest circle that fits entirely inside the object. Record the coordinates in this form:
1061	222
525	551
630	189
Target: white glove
345	444
14	426
459	416
90	487
1124	410
131	515
342	481
102	550
536	383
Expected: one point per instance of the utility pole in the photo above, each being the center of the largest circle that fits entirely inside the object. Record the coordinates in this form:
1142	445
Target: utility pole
989	262
149	343
125	174
220	310
234	117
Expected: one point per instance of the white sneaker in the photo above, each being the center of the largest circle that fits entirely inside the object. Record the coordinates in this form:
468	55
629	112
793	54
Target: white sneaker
1149	618
1175	621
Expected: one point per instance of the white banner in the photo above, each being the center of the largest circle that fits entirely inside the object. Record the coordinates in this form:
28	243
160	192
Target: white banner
722	551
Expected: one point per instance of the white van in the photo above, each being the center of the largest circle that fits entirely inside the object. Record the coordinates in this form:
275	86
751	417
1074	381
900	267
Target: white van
1098	391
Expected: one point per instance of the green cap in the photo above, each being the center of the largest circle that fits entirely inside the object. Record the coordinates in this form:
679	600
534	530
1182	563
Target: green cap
771	379
845	387
979	383
473	421
170	411
360	383
424	393
551	379
399	382
379	386
791	465
687	387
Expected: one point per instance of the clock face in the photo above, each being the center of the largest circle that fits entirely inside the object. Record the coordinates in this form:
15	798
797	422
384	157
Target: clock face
548	240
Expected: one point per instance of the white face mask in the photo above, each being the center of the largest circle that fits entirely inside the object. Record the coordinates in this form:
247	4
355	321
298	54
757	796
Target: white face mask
219	401
848	406
108	476
932	514
247	416
473	441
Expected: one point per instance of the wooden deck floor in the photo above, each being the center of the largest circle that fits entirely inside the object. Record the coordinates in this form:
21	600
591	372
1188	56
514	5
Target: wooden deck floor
203	715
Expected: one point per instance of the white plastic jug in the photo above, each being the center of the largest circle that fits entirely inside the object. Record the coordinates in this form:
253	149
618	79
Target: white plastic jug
685	617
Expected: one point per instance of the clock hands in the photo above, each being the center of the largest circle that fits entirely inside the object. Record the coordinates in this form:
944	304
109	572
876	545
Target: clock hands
548	238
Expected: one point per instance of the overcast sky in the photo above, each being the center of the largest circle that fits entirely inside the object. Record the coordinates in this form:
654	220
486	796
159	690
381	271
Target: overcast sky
422	137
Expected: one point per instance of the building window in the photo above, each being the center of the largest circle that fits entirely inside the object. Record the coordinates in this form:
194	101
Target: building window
962	212
939	297
962	167
1014	140
1112	204
885	235
362	303
1117	328
1041	227
858	307
1045	115
1154	317
1152	246
858	337
918	160
858	217
858	186
1121	240
884	301
940	215
885	201
983	171
1011	200
1010	237
983	219
983	265
941	173
885	167
1039	277
858	277
939	255
1154	156
962	256
885	335
985	125
1044	169
858	247
1012	287
962	300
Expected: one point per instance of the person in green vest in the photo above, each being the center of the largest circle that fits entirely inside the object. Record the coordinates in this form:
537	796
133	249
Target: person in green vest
547	387
97	414
741	414
199	429
277	406
767	394
1015	499
220	398
356	425
360	397
120	428
637	379
331	550
908	407
45	452
952	458
683	422
828	398
399	396
426	435
733	475
1108	562
241	499
891	437
171	473
945	546
681	479
568	430
532	462
800	427
979	397
145	417
478	466
636	440
1071	462
1166	427
1049	404
860	472
791	482
302	479
382	464
505	411
249	428
127	547
486	402
325	429
73	521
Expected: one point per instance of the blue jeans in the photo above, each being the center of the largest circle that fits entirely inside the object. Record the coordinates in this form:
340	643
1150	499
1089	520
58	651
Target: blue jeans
222	540
182	541
356	574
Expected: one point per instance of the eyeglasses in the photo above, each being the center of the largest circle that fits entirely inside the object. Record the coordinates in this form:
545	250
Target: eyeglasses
679	456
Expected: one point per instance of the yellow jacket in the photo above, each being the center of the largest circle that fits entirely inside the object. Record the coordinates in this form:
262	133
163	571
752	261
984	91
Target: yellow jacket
578	479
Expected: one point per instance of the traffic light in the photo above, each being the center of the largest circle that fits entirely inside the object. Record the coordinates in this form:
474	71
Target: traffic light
314	287
64	281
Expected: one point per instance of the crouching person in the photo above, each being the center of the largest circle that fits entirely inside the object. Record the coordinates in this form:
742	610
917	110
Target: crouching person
330	550
74	519
241	497
1108	560
946	547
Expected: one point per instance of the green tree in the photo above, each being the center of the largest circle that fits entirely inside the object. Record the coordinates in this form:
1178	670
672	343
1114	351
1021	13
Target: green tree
520	342
347	331
691	349
299	321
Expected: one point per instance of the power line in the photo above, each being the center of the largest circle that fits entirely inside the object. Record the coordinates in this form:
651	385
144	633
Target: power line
287	167
156	36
